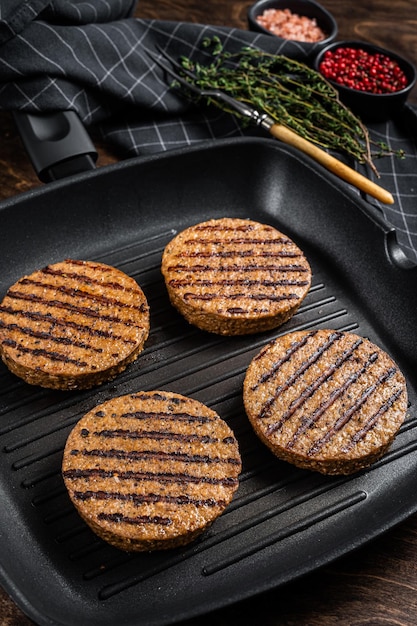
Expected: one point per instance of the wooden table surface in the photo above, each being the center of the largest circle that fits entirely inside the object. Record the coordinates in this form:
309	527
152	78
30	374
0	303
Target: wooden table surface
376	585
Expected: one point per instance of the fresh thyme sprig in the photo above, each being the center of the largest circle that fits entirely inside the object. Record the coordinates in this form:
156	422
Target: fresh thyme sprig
291	94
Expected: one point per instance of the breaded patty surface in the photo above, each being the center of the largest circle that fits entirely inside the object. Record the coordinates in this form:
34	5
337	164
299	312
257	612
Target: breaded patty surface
151	470
72	325
235	276
325	400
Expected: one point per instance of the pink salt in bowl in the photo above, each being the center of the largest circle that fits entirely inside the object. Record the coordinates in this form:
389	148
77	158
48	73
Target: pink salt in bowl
298	21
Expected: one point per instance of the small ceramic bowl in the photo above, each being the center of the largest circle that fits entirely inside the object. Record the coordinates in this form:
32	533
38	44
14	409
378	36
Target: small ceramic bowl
371	107
303	8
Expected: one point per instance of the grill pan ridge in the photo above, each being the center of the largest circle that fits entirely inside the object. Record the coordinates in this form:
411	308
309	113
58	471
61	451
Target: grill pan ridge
283	522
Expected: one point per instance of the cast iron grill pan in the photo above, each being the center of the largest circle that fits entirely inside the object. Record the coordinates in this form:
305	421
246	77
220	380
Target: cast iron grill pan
283	522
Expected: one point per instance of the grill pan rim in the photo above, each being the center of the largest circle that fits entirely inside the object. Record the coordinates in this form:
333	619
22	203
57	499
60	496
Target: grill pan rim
19	591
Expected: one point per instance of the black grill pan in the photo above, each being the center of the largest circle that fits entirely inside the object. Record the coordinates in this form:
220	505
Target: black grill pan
283	522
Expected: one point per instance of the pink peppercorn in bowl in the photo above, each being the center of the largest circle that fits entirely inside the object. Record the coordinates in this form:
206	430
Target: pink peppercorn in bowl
304	22
372	81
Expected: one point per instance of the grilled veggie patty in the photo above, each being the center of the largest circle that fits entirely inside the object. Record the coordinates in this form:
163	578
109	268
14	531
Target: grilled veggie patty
151	470
325	400
72	325
234	276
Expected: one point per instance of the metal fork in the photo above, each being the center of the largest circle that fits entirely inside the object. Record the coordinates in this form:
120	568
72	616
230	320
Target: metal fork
279	131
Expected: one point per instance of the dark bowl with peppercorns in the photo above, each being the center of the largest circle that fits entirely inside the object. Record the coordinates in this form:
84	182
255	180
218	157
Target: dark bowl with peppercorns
372	81
305	23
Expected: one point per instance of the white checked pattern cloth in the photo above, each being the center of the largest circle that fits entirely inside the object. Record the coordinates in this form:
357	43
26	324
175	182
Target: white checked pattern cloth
90	56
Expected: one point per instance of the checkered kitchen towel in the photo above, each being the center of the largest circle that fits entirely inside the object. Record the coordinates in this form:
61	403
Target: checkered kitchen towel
90	56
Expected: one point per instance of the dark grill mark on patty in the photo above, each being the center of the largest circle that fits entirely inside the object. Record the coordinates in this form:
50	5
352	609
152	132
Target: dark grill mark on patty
118	518
309	391
372	421
73	292
26	330
36	316
155	454
155	435
54	338
87	280
257	241
243	228
331	399
147	498
73	308
237	296
313	358
37	352
185	417
231	254
349	413
157	395
246	282
254	267
53	321
161	477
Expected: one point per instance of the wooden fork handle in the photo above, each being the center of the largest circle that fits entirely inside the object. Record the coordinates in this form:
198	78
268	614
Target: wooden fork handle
345	172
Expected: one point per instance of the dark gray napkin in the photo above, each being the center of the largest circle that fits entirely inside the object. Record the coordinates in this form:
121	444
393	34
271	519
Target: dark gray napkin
91	57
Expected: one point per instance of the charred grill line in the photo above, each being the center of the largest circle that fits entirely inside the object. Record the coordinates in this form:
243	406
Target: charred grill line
187	417
158	455
240	241
347	415
230	254
373	419
54	321
26	330
244	228
287	282
118	518
17	295
161	477
309	391
336	393
308	422
292	350
313	358
79	293
239	268
85	279
236	296
147	498
54	356
159	396
156	435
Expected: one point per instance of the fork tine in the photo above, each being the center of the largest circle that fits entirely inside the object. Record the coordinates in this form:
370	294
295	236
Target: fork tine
175	63
172	72
214	93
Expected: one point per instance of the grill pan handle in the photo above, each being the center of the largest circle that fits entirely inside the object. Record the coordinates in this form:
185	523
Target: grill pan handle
57	143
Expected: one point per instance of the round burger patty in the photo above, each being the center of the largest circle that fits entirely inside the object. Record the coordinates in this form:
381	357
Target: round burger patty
235	276
72	325
325	400
151	470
